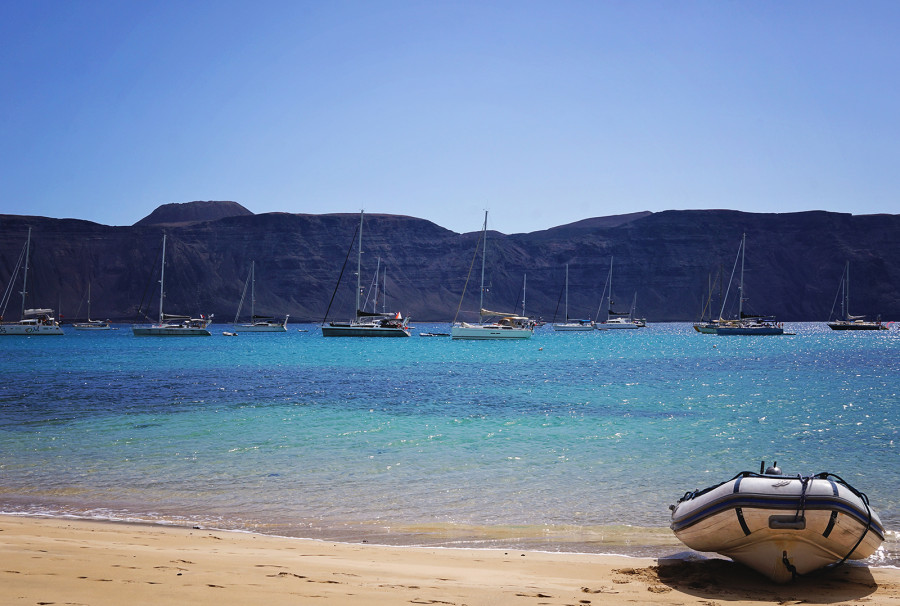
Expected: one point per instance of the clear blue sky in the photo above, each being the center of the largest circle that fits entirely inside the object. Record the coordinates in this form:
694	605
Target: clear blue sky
542	112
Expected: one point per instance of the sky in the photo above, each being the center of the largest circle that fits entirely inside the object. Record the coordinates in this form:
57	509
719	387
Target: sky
543	113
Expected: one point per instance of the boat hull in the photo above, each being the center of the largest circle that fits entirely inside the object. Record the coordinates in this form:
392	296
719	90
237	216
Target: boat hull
260	328
356	330
573	327
92	326
617	326
856	326
473	332
169	331
749	330
780	526
30	330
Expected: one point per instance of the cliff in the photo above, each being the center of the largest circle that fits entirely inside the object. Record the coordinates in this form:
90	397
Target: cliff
793	263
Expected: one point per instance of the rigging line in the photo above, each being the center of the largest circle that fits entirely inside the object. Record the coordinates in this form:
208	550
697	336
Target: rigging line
555	311
730	280
243	295
349	250
471	265
602	295
837	296
708	305
140	309
10	288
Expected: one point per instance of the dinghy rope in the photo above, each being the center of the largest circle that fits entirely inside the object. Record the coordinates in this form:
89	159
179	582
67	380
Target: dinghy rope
865	500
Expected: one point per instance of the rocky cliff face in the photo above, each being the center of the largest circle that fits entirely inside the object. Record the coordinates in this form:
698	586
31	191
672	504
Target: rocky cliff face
793	264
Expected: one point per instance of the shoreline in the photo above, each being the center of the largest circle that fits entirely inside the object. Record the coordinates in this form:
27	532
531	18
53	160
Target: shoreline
65	560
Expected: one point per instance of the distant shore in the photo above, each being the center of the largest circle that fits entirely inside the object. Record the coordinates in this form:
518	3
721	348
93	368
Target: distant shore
57	560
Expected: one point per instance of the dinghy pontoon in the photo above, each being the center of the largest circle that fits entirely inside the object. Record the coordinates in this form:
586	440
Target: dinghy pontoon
780	525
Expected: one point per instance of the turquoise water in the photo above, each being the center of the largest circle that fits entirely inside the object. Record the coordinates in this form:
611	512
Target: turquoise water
568	441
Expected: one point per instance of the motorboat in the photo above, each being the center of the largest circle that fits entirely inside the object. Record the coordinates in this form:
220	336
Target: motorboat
782	526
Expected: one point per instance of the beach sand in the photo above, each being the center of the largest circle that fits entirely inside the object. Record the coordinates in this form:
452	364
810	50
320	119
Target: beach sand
74	562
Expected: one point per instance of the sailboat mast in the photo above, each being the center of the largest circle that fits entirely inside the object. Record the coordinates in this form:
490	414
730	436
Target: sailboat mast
524	281
375	298
162	279
25	275
609	307
252	290
847	294
741	287
567	292
359	263
483	254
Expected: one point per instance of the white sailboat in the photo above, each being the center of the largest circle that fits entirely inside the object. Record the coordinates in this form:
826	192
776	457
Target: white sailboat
848	322
366	324
172	325
33	322
618	320
91	324
507	326
571	325
257	323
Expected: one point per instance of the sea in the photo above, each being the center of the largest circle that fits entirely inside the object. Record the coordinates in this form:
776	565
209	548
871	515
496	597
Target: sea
568	441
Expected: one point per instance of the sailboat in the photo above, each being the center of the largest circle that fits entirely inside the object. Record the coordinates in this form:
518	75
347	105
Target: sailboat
708	325
33	322
507	326
91	324
172	325
571	325
618	320
849	322
257	323
746	324
366	324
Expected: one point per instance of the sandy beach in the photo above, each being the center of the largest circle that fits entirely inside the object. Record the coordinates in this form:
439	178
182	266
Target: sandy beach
62	561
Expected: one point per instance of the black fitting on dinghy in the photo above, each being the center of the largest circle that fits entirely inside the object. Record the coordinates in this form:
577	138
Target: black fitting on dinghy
774	470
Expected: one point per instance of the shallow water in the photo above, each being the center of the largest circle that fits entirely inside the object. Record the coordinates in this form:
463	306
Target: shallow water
571	441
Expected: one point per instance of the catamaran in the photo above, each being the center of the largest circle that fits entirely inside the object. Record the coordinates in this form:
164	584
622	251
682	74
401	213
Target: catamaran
572	325
507	326
172	325
849	322
257	323
33	322
366	324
